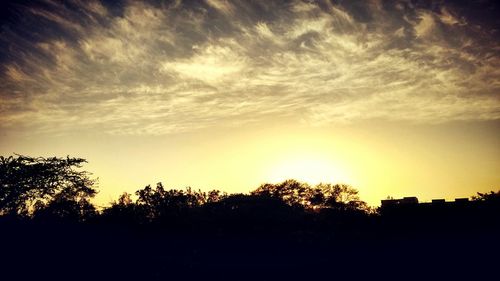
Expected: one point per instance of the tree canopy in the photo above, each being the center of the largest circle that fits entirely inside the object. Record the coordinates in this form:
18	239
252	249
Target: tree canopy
320	196
491	196
57	186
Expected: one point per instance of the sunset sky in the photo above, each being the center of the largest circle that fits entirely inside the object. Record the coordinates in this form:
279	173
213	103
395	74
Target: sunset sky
398	98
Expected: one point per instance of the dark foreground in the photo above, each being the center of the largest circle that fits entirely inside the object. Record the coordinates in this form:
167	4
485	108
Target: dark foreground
55	251
50	230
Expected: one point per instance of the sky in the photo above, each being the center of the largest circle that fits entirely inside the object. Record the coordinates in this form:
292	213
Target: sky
396	98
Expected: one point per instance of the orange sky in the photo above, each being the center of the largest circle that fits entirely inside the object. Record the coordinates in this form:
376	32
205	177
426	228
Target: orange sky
377	158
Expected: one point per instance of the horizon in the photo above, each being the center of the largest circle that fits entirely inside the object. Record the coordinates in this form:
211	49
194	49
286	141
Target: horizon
394	98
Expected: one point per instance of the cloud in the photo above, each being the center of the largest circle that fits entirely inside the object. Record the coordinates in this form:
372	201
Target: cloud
158	69
222	6
210	64
425	25
447	18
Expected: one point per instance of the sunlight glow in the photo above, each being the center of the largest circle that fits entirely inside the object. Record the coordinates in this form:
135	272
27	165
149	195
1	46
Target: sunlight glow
311	168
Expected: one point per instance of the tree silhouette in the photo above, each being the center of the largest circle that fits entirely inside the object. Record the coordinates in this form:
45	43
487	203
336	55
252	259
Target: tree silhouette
487	197
321	196
56	185
336	196
124	211
65	208
290	191
160	203
168	233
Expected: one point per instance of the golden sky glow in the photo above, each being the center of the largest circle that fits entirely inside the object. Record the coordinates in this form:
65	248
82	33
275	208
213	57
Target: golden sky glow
396	98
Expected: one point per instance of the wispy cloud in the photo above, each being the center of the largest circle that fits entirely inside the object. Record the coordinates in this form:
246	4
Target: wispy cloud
155	68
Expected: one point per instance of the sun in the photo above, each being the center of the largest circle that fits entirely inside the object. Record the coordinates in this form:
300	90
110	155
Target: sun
309	168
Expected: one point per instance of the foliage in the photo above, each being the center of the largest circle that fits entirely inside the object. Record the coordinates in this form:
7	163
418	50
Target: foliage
488	197
57	188
124	211
321	196
56	185
66	208
158	202
291	192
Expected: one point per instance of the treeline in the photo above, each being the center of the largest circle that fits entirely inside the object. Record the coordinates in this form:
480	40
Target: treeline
51	230
58	190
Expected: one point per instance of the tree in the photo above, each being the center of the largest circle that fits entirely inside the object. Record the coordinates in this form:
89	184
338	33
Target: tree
124	211
487	197
321	196
29	184
336	196
66	208
290	191
158	202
